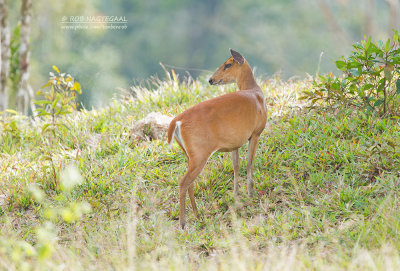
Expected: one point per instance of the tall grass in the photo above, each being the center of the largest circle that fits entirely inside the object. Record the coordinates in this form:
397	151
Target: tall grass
326	190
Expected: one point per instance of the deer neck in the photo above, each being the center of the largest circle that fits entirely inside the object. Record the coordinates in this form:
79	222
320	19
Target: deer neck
246	80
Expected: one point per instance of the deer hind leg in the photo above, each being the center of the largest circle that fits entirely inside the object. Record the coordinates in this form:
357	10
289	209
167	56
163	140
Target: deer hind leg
194	169
252	151
236	166
192	201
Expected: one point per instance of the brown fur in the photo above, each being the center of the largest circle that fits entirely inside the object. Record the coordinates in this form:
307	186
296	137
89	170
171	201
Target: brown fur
224	123
171	129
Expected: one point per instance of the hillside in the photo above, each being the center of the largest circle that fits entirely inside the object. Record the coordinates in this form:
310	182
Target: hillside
327	189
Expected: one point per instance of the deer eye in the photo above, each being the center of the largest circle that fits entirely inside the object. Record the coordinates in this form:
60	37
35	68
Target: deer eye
227	66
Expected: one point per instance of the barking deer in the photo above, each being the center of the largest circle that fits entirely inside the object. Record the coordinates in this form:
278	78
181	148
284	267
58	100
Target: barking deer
223	124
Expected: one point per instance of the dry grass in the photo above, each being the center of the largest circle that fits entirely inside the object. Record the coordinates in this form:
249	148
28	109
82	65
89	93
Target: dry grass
327	191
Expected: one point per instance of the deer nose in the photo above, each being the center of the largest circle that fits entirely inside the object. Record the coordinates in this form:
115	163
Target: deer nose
210	81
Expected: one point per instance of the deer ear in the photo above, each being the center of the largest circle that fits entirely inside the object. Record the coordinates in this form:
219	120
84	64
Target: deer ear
237	56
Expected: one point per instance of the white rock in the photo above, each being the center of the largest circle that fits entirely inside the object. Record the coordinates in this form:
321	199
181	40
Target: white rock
153	126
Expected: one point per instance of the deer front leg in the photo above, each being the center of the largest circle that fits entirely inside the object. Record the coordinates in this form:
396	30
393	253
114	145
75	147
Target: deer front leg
236	167
252	151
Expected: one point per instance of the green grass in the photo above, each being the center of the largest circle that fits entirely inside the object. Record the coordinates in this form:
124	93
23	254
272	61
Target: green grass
327	188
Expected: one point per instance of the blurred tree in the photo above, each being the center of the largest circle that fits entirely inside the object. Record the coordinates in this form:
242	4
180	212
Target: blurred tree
332	22
25	92
276	36
82	53
394	7
369	18
4	54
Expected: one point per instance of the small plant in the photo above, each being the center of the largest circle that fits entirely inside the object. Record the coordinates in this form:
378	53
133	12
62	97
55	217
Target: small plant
9	124
59	97
370	80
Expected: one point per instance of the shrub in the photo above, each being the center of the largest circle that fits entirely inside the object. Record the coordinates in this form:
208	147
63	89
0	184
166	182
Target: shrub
58	97
370	80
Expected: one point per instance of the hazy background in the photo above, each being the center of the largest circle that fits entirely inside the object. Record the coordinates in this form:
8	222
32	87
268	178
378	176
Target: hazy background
284	37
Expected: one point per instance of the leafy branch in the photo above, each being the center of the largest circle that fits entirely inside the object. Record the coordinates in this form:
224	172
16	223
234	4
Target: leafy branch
58	97
370	80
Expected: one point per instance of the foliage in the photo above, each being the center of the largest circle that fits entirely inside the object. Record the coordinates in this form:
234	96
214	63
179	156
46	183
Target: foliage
14	58
370	81
202	32
327	190
59	98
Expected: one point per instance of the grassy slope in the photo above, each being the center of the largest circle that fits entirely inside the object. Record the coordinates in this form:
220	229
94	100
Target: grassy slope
327	188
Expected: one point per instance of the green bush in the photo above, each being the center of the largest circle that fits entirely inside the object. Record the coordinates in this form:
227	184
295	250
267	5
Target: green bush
58	97
370	80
